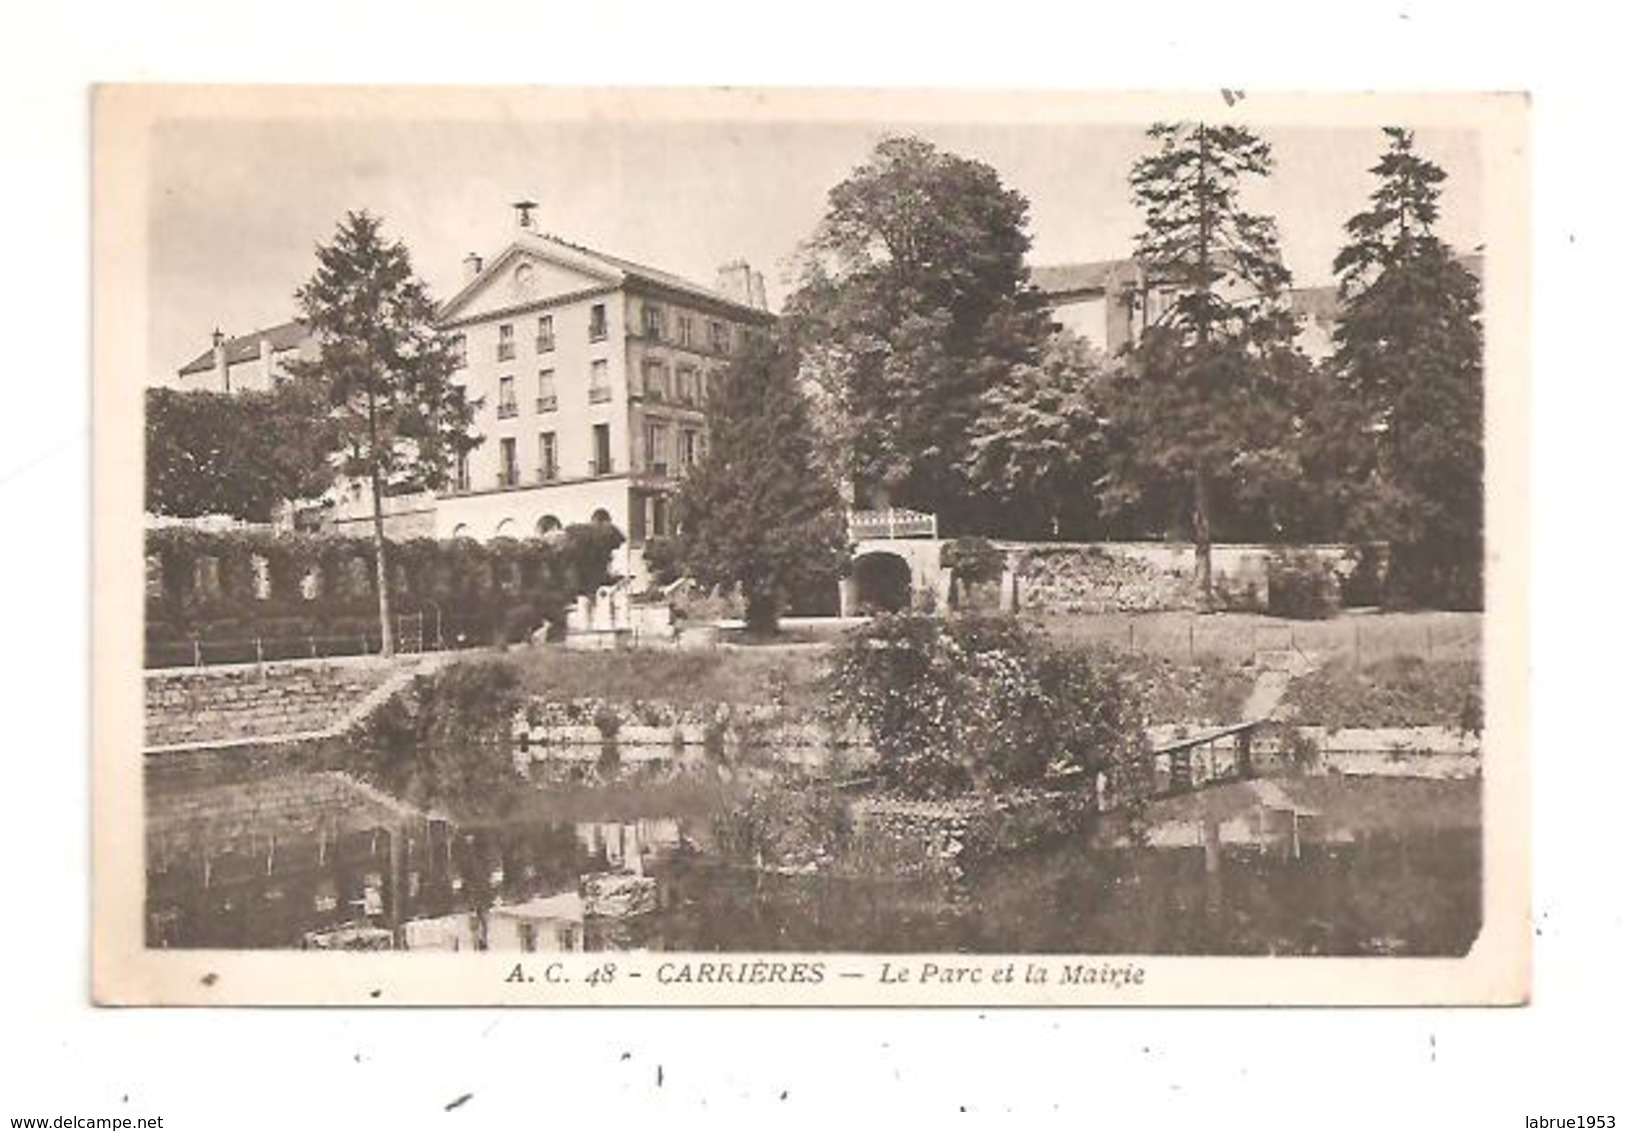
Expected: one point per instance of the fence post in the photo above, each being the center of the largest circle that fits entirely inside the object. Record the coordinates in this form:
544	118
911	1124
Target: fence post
1190	629
259	656
1131	636
197	652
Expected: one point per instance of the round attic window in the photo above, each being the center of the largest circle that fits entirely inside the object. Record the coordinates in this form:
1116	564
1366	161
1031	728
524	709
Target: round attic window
524	277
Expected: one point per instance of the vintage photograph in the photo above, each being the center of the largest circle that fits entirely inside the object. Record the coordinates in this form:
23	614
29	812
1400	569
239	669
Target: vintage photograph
809	547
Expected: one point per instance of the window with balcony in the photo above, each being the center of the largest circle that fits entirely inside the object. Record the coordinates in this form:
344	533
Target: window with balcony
460	479
544	333
601	463
654	379
685	330
549	469
598	382
658	514
505	342
685	384
547	396
598	322
459	350
508	472
688	449
654	321
507	401
719	337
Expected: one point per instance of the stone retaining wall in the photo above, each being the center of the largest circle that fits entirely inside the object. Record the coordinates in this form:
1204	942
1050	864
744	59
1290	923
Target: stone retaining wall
226	704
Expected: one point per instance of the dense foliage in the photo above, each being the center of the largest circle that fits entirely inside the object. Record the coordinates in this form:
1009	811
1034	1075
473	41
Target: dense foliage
242	585
238	454
1302	585
757	512
1399	691
1039	444
397	417
914	303
978	703
1408	446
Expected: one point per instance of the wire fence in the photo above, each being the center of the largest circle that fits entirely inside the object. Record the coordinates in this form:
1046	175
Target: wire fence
413	633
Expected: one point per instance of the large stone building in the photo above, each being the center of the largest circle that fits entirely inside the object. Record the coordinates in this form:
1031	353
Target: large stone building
1111	302
591	373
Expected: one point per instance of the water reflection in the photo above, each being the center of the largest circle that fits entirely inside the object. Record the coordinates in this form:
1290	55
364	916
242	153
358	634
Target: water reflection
247	877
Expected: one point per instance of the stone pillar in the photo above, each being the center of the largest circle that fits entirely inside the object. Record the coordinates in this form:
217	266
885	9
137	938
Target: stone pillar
1007	591
847	591
944	588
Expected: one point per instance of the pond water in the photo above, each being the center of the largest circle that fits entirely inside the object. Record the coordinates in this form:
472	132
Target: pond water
306	860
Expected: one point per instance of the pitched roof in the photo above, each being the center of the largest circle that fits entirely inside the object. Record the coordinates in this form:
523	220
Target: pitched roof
246	347
1072	278
615	269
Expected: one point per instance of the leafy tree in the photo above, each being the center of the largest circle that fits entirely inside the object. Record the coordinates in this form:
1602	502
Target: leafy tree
1207	404
236	454
1038	446
914	302
398	419
756	512
1409	363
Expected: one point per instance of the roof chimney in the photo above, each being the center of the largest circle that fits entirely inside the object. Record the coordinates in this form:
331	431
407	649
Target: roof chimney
733	281
758	291
472	266
524	208
222	371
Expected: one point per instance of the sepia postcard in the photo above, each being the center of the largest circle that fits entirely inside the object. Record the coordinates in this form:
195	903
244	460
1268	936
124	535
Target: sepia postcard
809	547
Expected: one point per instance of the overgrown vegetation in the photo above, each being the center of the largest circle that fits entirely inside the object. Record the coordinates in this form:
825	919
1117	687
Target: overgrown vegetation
446	740
1402	691
239	585
785	828
978	703
1302	586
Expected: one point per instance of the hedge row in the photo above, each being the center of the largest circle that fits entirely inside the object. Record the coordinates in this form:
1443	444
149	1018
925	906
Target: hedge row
240	585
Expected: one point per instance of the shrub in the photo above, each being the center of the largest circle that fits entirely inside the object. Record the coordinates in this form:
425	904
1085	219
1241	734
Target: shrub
661	557
974	560
976	703
780	828
1301	586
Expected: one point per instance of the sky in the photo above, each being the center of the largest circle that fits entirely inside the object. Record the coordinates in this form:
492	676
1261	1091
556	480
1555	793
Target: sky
237	208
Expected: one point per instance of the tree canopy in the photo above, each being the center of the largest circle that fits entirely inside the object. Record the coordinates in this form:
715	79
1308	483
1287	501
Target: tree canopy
914	302
238	454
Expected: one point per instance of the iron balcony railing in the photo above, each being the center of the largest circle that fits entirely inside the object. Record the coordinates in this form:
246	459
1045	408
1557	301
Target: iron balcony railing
598	395
505	351
548	403
507	410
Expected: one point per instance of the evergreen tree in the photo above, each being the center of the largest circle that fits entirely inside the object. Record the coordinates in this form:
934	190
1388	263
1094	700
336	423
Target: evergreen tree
755	512
1409	366
1038	446
914	302
1207	402
398	419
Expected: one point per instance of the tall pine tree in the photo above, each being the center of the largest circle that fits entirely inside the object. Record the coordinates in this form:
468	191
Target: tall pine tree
1208	402
756	512
1409	367
399	420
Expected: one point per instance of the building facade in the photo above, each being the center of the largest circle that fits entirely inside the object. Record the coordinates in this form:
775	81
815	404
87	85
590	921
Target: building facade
592	375
255	361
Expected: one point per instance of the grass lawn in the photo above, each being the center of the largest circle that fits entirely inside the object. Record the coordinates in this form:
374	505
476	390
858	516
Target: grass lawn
756	675
1362	637
1402	691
